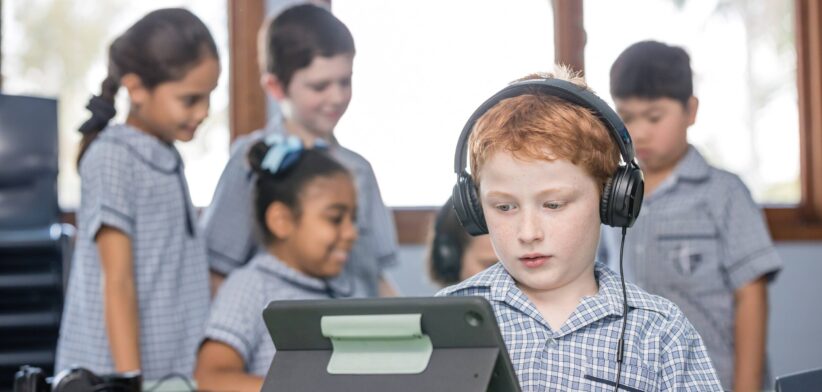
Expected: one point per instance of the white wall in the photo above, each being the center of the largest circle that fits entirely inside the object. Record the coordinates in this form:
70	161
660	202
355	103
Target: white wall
794	341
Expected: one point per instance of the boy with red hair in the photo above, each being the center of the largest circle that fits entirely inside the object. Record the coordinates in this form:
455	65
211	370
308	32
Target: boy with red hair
540	163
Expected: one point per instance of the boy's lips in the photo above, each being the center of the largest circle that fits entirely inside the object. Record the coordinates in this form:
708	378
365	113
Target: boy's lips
642	152
534	260
333	116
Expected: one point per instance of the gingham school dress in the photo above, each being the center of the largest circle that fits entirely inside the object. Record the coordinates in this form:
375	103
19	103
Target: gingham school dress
237	316
134	182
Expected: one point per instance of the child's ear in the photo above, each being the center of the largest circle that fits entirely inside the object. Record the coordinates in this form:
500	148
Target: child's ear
137	91
693	107
279	220
272	85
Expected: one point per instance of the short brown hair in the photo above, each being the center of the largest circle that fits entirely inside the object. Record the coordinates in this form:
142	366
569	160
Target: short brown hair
297	35
544	127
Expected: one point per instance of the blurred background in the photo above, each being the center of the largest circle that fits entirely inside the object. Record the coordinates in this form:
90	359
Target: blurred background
423	66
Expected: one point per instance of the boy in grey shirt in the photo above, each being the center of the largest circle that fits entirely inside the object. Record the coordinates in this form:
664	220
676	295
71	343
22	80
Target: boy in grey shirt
700	241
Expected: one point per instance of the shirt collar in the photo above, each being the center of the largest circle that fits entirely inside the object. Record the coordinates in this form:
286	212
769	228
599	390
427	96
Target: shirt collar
607	301
692	166
335	288
277	126
154	152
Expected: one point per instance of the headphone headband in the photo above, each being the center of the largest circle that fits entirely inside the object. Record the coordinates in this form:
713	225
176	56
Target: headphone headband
622	193
562	89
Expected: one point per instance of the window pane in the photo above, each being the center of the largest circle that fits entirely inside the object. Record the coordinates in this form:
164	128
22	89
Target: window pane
67	60
744	63
422	67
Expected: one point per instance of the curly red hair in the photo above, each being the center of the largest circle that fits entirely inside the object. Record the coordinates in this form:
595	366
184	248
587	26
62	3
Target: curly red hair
538	126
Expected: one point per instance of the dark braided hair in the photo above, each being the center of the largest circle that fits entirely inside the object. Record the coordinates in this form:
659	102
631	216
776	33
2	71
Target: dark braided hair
162	46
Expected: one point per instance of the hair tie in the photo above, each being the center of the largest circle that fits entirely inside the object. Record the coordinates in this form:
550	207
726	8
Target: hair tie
283	152
102	111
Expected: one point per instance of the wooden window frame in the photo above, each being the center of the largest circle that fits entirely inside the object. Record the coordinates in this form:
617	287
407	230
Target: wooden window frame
802	222
247	111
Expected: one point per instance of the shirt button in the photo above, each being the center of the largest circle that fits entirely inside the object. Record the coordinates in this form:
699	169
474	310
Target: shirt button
550	343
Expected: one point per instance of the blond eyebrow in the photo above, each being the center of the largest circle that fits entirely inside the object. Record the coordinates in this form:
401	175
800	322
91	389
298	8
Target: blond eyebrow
564	190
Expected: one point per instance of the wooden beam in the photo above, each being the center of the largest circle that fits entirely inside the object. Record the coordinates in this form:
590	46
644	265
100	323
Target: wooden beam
803	223
569	34
414	225
247	111
808	15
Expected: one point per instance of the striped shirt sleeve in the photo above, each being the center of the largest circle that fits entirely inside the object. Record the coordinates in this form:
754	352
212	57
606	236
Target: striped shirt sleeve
107	188
684	361
381	223
750	250
235	317
228	223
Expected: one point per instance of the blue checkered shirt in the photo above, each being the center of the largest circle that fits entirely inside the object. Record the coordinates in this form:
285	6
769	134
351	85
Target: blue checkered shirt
662	350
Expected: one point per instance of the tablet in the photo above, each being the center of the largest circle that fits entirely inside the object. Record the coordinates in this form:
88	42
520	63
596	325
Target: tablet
396	344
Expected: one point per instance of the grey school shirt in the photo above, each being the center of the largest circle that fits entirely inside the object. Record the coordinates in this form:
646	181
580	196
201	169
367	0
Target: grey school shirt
699	237
134	182
237	315
231	230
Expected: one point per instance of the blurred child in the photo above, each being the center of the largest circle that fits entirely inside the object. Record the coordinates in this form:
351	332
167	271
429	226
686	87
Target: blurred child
545	172
701	241
305	206
308	69
454	255
138	290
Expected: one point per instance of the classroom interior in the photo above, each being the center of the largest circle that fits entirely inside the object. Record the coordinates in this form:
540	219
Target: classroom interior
420	70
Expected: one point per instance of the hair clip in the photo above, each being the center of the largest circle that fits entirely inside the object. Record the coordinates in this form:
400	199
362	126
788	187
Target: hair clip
283	152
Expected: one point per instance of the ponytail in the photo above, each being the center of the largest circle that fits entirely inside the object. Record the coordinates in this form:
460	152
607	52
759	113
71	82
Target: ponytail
102	111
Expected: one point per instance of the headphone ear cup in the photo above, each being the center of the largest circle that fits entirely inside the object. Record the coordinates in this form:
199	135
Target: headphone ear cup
467	206
624	192
446	257
605	201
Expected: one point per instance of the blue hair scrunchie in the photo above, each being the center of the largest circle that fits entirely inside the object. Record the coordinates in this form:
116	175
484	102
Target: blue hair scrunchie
284	152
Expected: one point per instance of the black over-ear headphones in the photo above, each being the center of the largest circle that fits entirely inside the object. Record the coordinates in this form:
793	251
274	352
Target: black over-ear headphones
623	192
446	251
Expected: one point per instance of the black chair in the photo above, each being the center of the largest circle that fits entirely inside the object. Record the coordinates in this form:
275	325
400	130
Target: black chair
33	242
809	380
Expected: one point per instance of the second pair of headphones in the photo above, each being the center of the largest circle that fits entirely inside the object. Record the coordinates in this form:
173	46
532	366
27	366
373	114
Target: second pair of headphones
622	195
447	246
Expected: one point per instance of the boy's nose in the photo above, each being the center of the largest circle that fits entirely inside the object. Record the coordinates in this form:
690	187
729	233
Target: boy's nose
339	94
530	229
638	131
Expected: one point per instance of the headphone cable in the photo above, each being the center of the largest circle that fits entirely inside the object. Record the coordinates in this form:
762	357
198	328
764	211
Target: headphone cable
621	342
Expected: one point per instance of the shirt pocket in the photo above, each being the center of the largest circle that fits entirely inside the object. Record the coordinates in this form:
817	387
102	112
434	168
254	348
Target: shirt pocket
600	375
687	251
